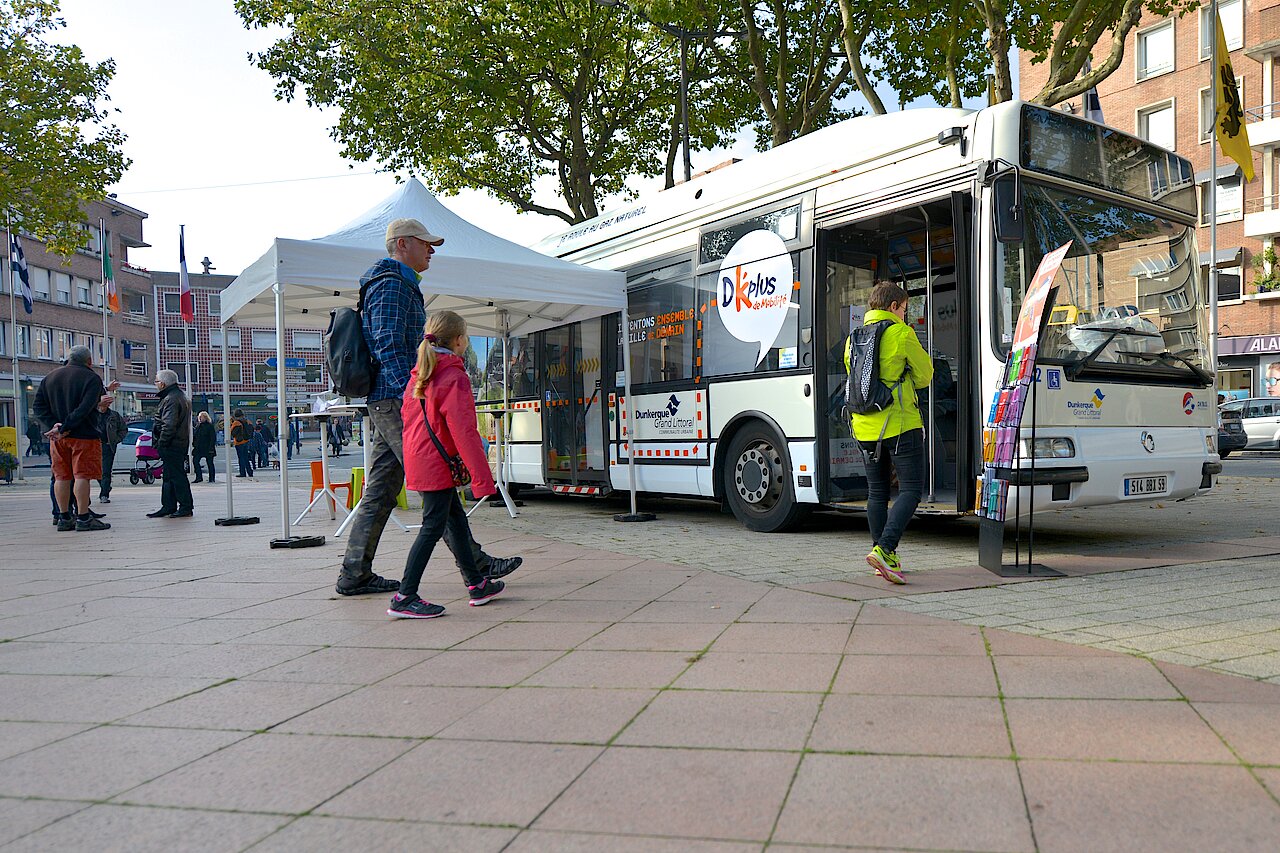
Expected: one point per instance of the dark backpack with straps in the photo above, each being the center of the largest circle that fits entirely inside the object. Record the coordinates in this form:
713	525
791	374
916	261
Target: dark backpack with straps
864	392
351	366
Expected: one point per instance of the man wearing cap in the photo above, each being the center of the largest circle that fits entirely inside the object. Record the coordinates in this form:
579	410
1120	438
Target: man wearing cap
393	314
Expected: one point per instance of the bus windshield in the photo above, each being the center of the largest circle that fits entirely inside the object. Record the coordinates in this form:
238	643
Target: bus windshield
1129	302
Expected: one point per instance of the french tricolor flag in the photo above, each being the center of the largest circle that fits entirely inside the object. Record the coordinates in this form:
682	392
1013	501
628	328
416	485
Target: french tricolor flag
186	302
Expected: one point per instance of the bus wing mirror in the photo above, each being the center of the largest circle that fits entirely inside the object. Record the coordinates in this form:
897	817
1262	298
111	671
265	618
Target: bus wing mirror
1010	225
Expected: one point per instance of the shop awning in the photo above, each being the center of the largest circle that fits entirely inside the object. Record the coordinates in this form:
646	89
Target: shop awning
1228	257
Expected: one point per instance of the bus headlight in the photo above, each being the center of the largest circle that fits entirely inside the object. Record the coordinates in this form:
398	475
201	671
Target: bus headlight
1049	448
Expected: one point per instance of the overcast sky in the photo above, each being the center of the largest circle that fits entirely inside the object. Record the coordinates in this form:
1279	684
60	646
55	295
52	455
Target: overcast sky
202	123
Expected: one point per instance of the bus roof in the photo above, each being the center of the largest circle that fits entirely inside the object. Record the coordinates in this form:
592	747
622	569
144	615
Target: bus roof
837	148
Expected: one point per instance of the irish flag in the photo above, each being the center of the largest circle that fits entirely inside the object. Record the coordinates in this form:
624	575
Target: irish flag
109	279
186	302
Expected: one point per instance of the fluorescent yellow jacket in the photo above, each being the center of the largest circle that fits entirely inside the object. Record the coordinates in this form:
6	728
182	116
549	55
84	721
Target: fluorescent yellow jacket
899	350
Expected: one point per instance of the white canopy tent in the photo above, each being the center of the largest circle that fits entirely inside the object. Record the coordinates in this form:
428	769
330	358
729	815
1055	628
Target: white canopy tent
500	287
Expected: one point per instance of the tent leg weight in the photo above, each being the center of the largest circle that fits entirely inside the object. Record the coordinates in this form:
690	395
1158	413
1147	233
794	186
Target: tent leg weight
236	520
298	542
635	516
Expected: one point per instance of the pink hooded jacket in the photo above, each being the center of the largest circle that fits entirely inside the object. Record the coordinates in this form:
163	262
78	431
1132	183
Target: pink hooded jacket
452	409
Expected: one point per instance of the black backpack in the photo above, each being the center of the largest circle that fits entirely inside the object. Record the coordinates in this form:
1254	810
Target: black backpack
864	391
351	365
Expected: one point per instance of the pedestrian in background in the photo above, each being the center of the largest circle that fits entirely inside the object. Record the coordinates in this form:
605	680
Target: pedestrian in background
203	445
241	434
114	430
69	403
392	316
35	439
294	438
439	413
171	437
261	445
892	439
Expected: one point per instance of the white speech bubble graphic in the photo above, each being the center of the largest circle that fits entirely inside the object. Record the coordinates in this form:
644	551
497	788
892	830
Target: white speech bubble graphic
754	289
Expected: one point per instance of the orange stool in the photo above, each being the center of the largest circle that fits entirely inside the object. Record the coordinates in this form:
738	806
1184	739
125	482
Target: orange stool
317	482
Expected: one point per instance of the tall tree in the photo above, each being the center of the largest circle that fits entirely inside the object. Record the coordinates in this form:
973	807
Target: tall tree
58	149
487	95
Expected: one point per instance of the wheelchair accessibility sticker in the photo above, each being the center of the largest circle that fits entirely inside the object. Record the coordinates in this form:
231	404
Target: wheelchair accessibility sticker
1055	379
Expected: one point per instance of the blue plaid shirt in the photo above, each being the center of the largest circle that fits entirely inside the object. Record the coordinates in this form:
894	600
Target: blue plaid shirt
393	317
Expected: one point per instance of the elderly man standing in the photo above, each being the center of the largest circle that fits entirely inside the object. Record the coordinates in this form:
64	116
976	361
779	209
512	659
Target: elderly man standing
70	403
171	437
393	315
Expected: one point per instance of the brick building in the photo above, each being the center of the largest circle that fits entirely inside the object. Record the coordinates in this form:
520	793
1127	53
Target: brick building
1161	92
251	353
68	311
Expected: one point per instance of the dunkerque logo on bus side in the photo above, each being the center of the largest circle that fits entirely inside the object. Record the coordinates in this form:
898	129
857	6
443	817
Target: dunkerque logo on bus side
664	420
755	289
1090	409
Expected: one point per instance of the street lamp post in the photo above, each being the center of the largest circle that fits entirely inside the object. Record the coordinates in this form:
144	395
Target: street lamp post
684	36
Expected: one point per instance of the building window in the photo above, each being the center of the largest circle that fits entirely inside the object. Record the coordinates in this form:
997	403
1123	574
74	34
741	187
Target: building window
62	286
1230	199
263	339
179	368
135	303
138	368
24	340
1229	284
83	294
63	342
1232	14
44	344
306	340
1208	114
4	338
172	303
215	304
40	283
1155	50
175	337
233	371
215	338
1156	125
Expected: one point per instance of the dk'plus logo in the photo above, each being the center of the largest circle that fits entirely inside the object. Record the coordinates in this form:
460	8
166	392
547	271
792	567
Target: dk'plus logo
755	289
673	405
1188	402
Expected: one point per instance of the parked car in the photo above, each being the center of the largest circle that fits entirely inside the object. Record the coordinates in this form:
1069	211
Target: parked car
1259	418
127	452
1231	435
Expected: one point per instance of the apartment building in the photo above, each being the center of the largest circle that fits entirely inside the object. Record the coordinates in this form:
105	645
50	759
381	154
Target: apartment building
1161	92
195	351
68	311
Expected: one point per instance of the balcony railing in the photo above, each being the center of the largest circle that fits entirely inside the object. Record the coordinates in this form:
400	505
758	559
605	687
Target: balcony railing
1263	112
1261	203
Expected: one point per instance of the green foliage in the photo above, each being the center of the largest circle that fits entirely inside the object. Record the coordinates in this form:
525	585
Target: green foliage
58	149
487	95
8	462
1266	272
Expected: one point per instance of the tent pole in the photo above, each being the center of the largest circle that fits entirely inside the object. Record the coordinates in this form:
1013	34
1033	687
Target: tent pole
635	514
226	421
280	397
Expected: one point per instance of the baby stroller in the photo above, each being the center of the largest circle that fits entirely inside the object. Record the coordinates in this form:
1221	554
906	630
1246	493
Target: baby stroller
146	468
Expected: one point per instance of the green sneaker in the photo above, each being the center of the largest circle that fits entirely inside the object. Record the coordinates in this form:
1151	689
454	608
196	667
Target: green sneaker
886	564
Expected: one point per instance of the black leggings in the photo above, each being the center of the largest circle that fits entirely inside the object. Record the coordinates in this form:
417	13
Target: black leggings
442	516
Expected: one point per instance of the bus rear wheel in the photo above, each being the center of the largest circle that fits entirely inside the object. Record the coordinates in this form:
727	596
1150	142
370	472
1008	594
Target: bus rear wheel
757	481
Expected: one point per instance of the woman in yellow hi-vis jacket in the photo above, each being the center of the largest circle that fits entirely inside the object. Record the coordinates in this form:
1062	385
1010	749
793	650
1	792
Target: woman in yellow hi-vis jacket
893	436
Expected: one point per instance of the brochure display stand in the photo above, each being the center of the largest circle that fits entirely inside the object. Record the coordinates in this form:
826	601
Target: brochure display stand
1002	436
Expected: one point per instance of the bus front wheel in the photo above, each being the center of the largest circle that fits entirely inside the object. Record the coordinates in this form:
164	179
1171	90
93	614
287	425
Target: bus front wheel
757	481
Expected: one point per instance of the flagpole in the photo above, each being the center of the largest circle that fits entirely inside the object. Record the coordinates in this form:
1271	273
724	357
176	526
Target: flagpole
106	339
186	336
18	409
1213	204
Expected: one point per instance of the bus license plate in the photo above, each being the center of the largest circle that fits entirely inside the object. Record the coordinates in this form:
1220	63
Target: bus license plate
1145	486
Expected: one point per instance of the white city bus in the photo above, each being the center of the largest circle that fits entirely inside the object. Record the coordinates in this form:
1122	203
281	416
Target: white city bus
743	285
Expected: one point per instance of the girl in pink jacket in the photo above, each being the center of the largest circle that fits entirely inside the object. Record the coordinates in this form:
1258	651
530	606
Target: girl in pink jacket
438	400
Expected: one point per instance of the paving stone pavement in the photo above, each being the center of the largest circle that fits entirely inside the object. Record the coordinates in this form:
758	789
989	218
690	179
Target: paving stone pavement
169	685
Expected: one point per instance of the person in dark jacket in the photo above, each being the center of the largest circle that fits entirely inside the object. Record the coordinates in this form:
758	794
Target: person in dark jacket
203	444
35	439
114	430
171	437
69	403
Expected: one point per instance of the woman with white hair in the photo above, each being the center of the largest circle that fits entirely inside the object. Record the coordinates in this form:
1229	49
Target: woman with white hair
203	442
171	437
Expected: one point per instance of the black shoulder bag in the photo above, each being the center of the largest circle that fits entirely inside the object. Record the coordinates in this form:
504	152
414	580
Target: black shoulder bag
457	468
